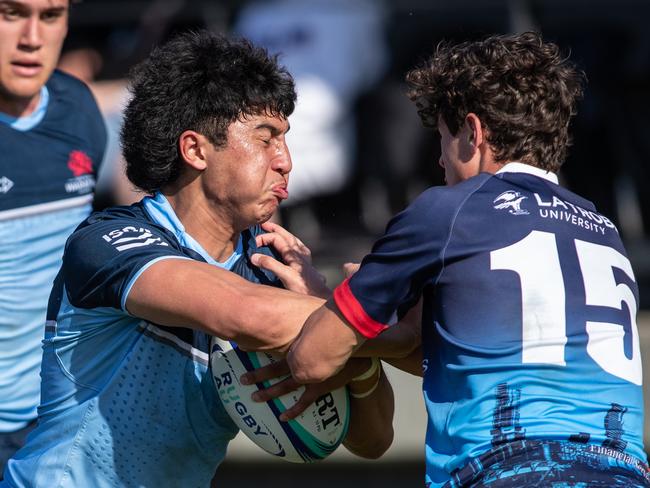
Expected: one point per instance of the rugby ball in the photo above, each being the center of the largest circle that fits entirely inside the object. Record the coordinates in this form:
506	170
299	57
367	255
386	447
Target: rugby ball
312	436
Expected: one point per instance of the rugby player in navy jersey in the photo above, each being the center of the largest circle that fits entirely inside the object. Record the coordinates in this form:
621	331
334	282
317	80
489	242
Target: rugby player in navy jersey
52	140
530	350
127	398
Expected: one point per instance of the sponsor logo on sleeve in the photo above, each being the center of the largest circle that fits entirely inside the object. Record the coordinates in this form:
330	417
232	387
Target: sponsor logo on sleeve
131	237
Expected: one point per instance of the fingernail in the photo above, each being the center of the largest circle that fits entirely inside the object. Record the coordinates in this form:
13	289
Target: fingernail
256	397
244	379
255	259
283	418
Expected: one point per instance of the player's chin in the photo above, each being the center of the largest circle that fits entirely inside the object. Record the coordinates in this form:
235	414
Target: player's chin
267	211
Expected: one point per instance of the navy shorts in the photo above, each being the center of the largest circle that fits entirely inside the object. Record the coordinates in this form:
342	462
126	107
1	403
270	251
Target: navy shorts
552	464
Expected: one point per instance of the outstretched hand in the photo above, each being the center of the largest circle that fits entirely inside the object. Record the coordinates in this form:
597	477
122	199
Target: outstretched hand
296	271
313	391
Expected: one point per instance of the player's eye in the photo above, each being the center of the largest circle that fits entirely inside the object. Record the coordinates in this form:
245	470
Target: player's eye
51	15
10	13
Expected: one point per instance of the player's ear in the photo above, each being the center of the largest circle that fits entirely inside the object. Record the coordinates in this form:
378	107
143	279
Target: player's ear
474	129
192	148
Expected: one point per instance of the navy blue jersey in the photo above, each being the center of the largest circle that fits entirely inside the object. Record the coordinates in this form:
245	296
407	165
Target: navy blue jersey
126	402
48	163
529	320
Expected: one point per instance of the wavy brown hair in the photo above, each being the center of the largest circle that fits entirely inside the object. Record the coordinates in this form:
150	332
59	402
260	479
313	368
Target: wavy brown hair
523	90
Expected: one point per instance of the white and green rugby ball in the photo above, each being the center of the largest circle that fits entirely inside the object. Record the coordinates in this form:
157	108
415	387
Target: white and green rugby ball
313	435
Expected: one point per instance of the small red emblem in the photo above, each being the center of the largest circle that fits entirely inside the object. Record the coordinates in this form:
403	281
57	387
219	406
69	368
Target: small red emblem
80	163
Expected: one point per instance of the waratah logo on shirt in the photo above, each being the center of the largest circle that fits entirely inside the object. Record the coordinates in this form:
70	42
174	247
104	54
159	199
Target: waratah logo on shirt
510	200
80	163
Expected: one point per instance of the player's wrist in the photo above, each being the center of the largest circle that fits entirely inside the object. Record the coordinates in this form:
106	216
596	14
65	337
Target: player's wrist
366	383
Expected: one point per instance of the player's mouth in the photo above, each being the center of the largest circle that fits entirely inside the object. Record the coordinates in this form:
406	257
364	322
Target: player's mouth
280	192
27	69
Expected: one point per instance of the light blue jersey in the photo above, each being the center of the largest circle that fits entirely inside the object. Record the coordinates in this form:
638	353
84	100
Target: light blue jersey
126	402
48	163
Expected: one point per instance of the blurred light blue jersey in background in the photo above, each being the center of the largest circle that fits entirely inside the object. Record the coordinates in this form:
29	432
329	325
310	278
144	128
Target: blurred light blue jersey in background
48	164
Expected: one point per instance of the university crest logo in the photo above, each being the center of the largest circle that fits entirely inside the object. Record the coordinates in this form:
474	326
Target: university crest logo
510	200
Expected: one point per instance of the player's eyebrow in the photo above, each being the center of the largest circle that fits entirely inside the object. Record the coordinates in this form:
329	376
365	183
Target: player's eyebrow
275	131
24	8
14	4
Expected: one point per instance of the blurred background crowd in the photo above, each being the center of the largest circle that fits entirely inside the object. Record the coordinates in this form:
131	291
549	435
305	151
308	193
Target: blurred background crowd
358	148
359	151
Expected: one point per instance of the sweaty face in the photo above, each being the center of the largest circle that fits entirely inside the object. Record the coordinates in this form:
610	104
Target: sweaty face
248	176
457	155
31	36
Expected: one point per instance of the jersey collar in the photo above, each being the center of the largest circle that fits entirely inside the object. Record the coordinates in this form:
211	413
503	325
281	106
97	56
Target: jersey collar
162	213
516	167
30	121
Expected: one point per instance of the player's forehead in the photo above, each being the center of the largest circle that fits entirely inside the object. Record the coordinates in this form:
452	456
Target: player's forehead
276	123
35	5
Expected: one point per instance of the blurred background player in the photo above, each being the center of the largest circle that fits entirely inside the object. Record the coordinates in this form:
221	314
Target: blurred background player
52	140
531	358
127	398
320	41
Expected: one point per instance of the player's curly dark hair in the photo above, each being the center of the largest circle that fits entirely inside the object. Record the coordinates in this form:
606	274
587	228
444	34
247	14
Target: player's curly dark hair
523	90
197	81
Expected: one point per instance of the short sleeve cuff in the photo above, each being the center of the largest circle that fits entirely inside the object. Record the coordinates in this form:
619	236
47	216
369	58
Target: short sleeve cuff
132	281
354	312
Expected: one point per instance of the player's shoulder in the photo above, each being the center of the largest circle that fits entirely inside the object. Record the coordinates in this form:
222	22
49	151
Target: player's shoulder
63	85
440	201
122	228
72	108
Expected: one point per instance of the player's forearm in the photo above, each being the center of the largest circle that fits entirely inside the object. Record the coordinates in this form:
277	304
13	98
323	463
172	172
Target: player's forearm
272	318
323	346
370	432
410	364
220	303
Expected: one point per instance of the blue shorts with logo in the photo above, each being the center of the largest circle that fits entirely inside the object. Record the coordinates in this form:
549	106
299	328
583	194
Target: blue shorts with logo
553	464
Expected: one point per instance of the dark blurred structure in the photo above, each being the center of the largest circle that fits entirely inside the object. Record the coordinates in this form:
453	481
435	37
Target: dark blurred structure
394	157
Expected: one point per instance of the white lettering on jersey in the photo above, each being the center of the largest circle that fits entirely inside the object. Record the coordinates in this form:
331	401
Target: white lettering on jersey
559	209
84	183
130	237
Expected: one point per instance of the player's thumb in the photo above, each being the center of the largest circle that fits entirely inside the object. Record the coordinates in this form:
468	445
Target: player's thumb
350	268
269	263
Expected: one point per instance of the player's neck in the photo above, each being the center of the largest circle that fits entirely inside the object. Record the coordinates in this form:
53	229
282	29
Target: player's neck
18	106
215	233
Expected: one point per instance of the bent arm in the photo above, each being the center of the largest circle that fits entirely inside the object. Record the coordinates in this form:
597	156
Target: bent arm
186	293
410	364
370	432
